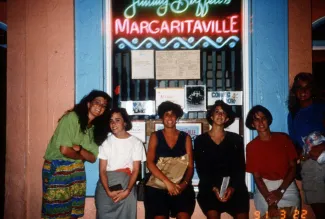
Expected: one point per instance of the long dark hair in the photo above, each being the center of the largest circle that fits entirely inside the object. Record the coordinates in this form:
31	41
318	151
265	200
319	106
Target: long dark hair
100	123
293	102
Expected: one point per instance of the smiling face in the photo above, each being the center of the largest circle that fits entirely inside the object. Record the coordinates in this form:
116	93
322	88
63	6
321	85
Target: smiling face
219	116
260	122
117	124
169	119
96	107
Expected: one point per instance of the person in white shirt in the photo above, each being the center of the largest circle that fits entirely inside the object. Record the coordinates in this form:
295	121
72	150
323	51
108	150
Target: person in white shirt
119	156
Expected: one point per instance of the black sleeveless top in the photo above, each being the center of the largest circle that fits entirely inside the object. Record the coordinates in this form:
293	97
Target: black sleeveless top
163	150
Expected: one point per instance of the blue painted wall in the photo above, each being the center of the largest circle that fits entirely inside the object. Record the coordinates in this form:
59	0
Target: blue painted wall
89	62
269	59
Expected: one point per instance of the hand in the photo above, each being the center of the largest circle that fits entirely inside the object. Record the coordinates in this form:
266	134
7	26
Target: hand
273	211
316	151
113	194
172	188
121	195
76	148
274	197
226	196
181	187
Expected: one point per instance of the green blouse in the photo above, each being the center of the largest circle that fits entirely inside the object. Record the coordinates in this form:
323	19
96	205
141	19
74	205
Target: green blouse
68	133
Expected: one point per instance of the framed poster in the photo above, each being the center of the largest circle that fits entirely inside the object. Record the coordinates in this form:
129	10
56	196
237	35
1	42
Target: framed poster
195	98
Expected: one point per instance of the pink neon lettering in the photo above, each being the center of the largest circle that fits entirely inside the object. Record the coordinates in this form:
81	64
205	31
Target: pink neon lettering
164	27
120	28
134	28
197	26
233	23
151	29
175	25
144	27
219	26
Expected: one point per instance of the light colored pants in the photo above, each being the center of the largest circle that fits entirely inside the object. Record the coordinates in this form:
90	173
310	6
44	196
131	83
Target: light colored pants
291	197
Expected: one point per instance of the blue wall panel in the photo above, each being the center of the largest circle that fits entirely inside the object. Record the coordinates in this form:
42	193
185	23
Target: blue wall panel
89	62
269	77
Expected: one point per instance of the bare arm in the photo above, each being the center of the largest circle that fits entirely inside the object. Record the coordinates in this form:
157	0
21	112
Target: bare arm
104	180
151	154
122	195
80	154
261	185
190	168
69	152
276	195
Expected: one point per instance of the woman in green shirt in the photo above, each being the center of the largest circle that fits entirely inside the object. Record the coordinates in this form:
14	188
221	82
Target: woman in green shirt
75	140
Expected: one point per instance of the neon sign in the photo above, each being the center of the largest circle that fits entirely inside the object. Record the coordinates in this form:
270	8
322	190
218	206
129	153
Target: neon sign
176	6
157	27
177	24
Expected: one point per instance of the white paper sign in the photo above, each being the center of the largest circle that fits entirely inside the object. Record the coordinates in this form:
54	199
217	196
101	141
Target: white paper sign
229	97
139	130
178	65
175	95
139	107
142	64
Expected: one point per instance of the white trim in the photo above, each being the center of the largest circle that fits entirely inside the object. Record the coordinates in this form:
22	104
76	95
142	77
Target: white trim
246	45
318	47
108	44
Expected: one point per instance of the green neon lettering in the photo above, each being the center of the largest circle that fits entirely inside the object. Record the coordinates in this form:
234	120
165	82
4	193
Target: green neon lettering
175	6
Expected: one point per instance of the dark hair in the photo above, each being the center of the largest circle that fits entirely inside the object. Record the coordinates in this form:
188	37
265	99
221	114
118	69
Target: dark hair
124	115
251	115
293	102
100	122
170	106
226	108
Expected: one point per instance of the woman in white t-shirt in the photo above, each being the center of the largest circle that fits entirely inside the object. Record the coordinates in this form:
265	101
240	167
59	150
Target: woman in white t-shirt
119	162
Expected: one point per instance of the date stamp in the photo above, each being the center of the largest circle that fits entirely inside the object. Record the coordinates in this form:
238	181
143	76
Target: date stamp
283	214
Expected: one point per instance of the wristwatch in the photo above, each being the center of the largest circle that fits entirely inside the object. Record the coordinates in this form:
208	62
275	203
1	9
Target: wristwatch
282	191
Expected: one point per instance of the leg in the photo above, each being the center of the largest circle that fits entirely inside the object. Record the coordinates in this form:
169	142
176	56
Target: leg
160	217
319	210
183	215
212	214
242	215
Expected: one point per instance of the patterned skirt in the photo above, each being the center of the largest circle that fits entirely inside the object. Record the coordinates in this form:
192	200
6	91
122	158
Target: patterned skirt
64	189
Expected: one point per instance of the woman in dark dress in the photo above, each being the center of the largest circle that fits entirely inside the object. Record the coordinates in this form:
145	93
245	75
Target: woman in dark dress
178	200
217	154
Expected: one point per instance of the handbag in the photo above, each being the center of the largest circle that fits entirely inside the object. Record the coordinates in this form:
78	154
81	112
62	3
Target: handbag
140	190
172	167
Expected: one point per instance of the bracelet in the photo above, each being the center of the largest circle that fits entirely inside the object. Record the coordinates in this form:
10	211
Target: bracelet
185	182
127	189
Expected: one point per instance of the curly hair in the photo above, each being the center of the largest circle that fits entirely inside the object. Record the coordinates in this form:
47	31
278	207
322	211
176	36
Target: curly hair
124	115
293	102
100	123
226	108
170	106
251	116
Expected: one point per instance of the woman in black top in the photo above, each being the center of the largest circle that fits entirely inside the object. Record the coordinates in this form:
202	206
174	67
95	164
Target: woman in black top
179	199
217	154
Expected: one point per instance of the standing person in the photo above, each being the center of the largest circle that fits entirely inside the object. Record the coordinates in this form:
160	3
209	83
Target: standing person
179	199
306	115
75	140
217	154
271	158
119	162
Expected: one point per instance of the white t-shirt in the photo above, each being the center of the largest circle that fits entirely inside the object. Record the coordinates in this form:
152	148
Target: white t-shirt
120	153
